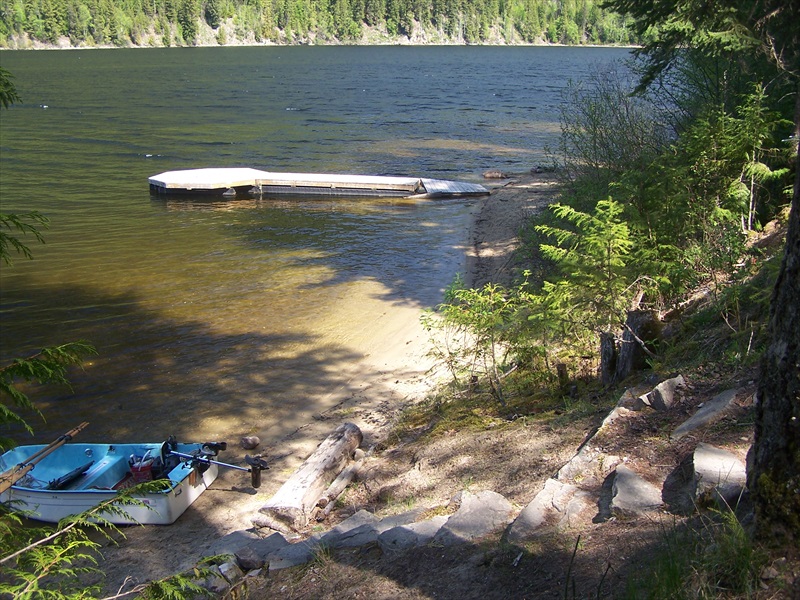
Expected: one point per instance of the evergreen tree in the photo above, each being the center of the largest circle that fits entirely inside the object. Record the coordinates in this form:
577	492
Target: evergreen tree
768	28
8	91
188	15
104	21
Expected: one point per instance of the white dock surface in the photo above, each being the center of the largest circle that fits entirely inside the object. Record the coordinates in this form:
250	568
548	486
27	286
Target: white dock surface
206	179
254	180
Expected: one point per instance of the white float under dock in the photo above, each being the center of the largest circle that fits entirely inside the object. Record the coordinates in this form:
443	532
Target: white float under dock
252	182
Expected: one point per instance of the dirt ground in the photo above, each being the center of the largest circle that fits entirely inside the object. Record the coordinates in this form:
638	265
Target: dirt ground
515	458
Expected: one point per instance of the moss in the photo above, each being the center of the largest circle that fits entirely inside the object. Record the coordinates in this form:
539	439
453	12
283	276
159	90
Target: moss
779	504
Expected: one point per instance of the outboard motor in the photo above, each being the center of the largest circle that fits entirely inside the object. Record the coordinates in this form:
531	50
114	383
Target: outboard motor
168	460
213	448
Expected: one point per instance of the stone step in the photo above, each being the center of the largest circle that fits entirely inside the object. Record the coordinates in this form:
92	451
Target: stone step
592	486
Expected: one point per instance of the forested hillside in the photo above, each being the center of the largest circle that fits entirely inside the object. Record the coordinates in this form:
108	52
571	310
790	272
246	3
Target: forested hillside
24	23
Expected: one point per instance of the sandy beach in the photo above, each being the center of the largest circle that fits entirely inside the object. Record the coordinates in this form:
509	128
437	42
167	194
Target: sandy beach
395	371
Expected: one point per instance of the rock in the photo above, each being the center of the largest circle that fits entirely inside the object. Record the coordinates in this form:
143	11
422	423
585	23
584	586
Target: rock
367	531
249	442
708	413
357	530
231	543
479	515
631	495
618	413
539	510
231	571
557	503
360	536
411	535
629	399
216	583
709	474
264	547
662	396
399	520
292	555
720	475
588	464
680	488
769	572
362	517
248	559
715	466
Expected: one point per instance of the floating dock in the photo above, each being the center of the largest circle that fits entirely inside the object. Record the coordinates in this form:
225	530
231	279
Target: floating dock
239	182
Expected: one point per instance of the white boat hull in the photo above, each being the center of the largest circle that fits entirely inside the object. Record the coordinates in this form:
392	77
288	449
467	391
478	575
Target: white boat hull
186	484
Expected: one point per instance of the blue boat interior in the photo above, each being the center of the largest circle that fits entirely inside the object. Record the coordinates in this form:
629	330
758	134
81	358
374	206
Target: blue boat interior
86	467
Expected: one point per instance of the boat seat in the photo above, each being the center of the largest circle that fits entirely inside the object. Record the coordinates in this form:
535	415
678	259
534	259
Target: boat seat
101	475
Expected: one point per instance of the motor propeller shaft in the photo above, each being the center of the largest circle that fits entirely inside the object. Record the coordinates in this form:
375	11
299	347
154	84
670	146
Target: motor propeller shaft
257	464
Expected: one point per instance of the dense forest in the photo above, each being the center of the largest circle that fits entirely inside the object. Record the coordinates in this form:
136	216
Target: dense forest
25	23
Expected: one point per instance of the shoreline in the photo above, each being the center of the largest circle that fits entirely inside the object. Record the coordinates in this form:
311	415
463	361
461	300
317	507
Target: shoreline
38	46
495	225
388	378
208	38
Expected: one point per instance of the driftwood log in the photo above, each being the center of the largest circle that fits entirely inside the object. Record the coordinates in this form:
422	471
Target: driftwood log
291	507
328	500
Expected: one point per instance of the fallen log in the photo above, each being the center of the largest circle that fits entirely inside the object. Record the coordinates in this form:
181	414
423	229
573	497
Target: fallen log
342	480
328	500
295	501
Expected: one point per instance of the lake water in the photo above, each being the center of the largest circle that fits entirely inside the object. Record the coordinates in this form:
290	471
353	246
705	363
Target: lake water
209	316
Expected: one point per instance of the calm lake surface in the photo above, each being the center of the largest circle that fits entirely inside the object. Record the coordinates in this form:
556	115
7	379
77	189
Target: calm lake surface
208	316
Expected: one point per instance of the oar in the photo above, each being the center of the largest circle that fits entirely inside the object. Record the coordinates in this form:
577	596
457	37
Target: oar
16	473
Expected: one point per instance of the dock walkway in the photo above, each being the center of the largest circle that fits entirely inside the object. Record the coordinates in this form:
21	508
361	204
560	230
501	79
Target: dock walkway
234	182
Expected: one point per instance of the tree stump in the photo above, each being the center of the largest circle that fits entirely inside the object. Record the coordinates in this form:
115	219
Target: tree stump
641	327
563	378
608	357
291	507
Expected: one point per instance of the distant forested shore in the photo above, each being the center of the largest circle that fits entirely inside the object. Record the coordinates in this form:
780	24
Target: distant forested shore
158	23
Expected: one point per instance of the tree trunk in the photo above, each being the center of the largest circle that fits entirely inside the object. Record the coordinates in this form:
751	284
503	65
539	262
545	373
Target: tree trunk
774	461
291	507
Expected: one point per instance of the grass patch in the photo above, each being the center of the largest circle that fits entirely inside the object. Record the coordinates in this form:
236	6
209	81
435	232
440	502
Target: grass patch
464	409
716	560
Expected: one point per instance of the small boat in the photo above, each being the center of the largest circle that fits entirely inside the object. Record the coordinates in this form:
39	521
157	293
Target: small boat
71	478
